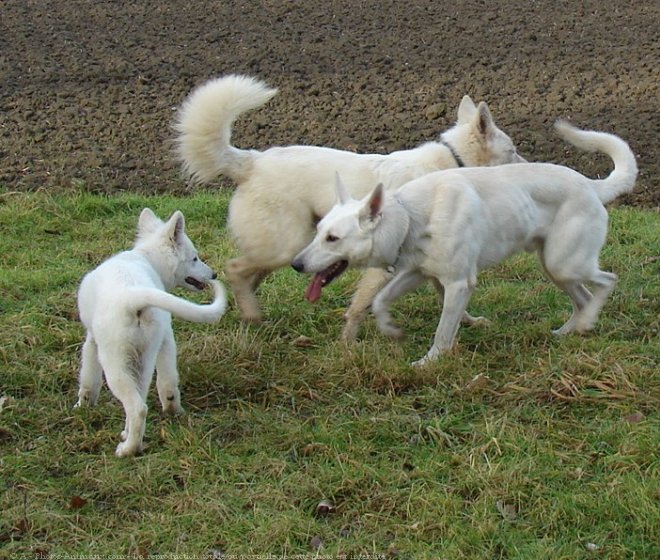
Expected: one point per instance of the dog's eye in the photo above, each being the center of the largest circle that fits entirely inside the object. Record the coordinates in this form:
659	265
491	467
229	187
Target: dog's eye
331	238
195	259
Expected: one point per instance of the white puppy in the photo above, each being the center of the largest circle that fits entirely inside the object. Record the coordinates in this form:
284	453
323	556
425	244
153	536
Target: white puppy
448	225
283	192
126	311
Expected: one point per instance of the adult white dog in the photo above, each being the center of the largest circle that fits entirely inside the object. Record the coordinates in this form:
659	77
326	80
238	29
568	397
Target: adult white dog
283	192
448	225
126	311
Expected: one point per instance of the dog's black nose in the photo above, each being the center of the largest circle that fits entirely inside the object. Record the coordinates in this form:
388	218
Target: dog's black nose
298	266
215	275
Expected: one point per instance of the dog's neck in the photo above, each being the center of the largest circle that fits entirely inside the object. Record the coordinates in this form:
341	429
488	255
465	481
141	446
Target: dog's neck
165	276
457	158
390	235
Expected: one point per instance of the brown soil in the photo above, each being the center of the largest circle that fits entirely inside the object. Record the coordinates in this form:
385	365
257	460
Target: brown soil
89	89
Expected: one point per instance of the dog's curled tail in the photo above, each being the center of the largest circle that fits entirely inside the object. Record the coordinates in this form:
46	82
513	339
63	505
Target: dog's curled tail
179	307
204	122
622	179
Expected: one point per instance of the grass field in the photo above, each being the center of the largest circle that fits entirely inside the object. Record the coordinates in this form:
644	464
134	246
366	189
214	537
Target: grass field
294	445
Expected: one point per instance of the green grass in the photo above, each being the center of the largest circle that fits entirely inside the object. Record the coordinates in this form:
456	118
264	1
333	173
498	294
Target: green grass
553	448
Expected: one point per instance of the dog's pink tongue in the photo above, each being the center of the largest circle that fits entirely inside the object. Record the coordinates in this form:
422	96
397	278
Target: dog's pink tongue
313	292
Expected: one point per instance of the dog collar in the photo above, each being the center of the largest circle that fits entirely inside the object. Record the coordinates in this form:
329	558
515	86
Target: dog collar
454	153
391	268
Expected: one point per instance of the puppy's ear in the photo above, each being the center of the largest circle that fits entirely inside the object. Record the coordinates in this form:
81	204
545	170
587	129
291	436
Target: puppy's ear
176	227
148	222
483	120
466	110
371	211
343	196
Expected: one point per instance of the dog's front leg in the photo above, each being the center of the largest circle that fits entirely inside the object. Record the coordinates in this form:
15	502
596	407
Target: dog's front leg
244	277
404	282
467	318
167	376
457	296
370	284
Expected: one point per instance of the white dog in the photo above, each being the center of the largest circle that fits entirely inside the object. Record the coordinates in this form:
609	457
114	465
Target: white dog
283	192
126	311
448	225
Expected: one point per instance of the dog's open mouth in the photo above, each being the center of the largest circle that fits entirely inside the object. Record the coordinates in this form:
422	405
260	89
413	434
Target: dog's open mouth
323	278
195	283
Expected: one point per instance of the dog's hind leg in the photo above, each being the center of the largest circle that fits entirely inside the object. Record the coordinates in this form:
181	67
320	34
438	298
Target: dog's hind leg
91	373
167	376
580	297
457	296
244	278
404	282
122	381
570	257
370	284
603	284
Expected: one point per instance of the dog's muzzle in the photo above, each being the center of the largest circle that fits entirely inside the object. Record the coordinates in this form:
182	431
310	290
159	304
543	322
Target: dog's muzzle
298	265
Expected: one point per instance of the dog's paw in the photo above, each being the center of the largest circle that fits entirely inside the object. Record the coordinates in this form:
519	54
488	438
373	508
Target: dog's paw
584	326
392	331
349	332
568	328
124	449
84	399
420	363
475	321
425	361
173	409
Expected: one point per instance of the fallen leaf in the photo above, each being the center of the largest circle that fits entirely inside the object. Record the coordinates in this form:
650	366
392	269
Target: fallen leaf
77	502
393	551
303	342
5	402
507	511
634	418
478	383
141	553
324	508
21	527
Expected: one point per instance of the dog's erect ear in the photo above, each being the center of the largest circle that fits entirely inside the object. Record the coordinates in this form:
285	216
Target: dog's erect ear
466	110
484	120
343	196
371	211
148	222
176	227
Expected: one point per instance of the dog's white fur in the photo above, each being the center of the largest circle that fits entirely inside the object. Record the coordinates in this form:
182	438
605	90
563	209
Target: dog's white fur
283	192
448	225
126	311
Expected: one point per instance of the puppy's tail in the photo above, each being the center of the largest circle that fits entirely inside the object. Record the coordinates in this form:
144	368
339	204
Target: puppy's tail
622	179
204	123
179	307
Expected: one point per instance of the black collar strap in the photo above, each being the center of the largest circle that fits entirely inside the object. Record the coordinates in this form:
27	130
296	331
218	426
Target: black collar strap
391	268
454	154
